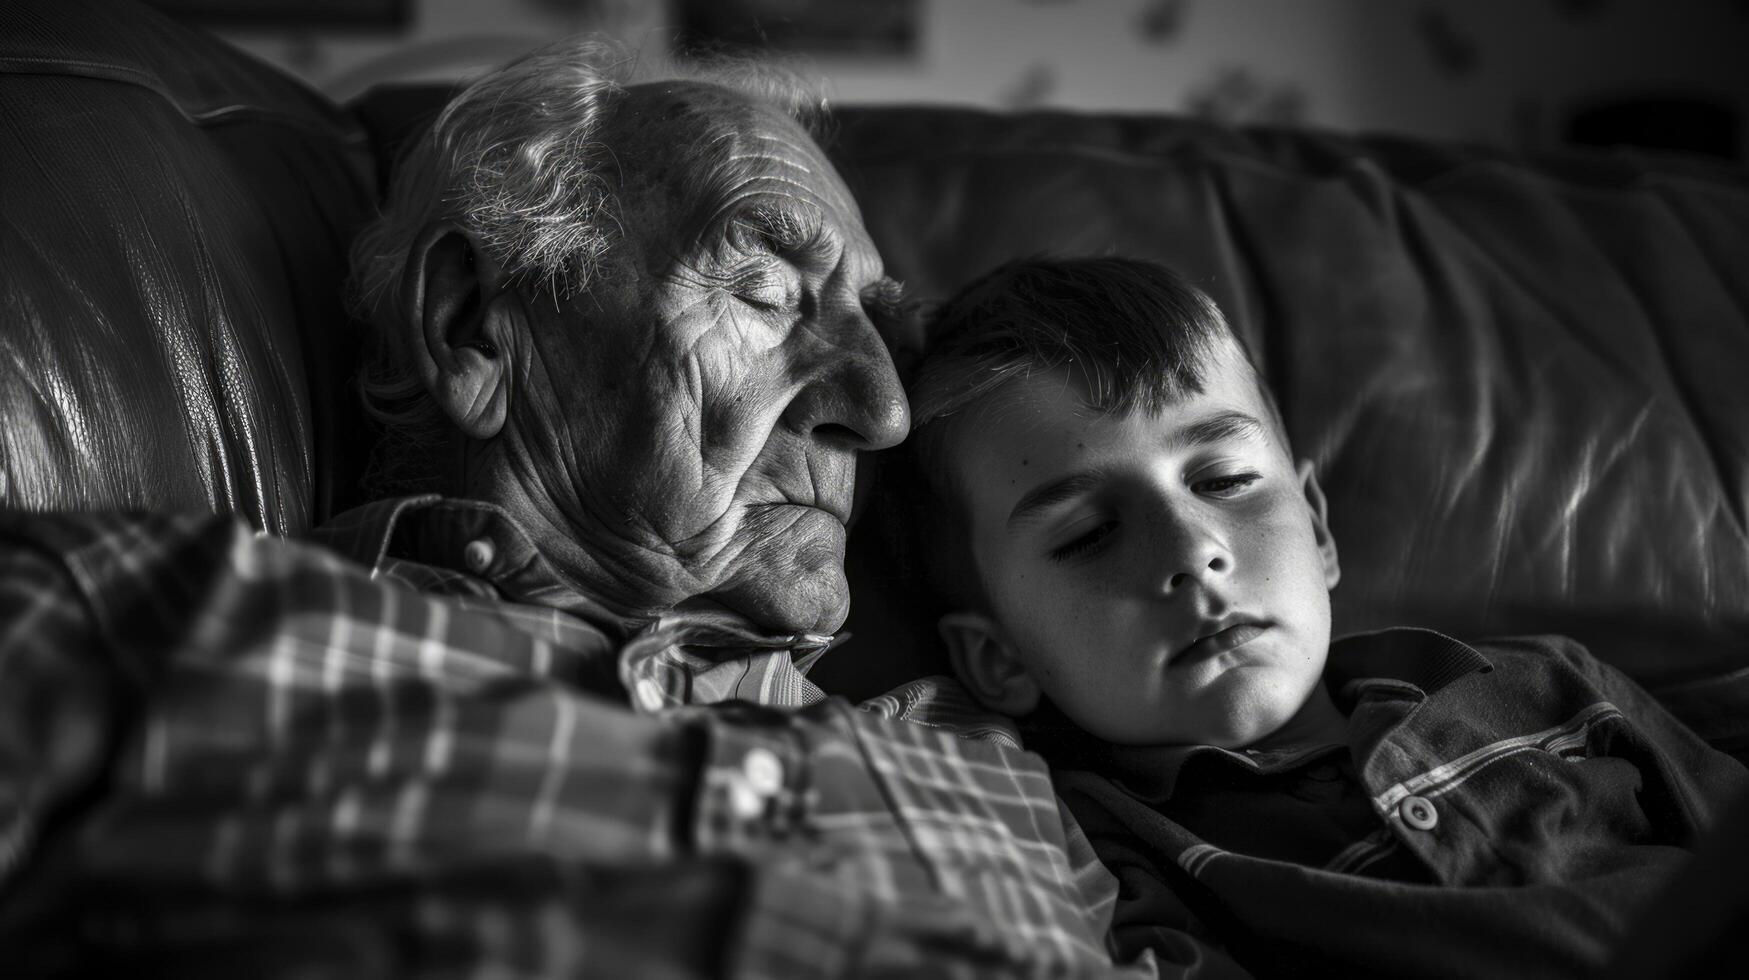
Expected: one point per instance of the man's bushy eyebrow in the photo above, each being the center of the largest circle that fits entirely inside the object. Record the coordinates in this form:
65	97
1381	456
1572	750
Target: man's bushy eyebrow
888	298
780	227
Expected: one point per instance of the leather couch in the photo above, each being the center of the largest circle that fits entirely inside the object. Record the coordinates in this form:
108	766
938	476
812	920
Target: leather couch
1523	381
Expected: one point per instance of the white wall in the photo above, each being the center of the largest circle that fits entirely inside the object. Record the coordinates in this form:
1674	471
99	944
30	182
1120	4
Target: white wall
1350	64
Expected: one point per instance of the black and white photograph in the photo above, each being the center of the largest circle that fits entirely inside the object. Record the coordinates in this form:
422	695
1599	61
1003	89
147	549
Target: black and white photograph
1194	489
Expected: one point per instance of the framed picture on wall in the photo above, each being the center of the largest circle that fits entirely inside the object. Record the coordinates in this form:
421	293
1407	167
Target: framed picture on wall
289	13
855	28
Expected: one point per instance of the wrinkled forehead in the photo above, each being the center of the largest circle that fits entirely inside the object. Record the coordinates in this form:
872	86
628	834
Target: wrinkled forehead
701	151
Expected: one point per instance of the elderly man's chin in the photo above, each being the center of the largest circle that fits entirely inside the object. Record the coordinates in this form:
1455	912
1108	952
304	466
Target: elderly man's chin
791	579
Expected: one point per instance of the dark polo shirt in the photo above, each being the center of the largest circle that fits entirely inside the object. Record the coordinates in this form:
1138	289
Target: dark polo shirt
1499	810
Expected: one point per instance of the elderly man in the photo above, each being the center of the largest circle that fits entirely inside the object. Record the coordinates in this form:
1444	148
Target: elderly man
631	330
647	315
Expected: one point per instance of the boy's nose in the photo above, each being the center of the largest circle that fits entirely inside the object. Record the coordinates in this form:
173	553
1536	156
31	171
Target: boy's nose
1200	571
1193	556
1215	565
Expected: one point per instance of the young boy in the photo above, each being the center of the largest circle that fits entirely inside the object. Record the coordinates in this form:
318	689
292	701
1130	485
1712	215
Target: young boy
1141	571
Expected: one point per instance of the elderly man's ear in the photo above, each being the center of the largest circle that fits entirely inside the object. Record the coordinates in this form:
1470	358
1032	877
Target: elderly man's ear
467	317
985	662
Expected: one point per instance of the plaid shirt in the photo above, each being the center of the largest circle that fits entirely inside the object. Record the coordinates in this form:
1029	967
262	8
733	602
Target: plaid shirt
223	752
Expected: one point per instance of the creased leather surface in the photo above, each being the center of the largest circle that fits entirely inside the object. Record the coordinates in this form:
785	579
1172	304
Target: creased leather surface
173	223
1524	385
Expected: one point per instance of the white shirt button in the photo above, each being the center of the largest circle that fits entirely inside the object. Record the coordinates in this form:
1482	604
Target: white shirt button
649	694
743	802
478	554
764	771
1418	812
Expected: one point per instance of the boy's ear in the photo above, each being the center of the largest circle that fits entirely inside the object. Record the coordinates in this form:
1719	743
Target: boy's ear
986	664
1320	523
465	320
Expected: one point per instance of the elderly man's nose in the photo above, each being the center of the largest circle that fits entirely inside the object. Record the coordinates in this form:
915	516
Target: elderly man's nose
856	398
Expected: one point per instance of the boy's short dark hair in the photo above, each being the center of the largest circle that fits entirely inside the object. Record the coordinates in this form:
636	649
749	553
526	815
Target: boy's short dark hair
1135	333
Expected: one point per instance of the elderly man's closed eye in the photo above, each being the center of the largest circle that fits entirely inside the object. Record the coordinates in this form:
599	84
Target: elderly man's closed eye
659	358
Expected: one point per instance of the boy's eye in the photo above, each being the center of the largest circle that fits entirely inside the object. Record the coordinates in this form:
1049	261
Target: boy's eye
1226	486
1085	543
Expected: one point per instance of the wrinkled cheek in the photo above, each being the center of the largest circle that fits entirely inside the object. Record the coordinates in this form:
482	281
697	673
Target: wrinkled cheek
738	409
544	421
694	407
731	435
655	441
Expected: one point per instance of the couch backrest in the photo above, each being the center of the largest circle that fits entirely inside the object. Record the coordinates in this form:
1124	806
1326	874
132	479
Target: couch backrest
173	226
1525	384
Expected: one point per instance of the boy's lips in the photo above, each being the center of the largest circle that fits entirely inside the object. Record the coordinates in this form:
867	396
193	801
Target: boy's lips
1223	638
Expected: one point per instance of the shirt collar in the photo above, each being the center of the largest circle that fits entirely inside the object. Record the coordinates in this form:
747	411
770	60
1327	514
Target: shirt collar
696	655
1420	661
1423	660
470	537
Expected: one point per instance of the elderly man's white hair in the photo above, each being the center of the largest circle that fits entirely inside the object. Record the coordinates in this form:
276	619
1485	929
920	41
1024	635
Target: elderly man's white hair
519	162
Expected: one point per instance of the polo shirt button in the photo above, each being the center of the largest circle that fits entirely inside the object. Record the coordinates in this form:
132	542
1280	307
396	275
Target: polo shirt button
745	803
1418	812
478	555
764	771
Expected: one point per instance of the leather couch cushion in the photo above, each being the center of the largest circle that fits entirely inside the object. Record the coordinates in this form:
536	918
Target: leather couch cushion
174	219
